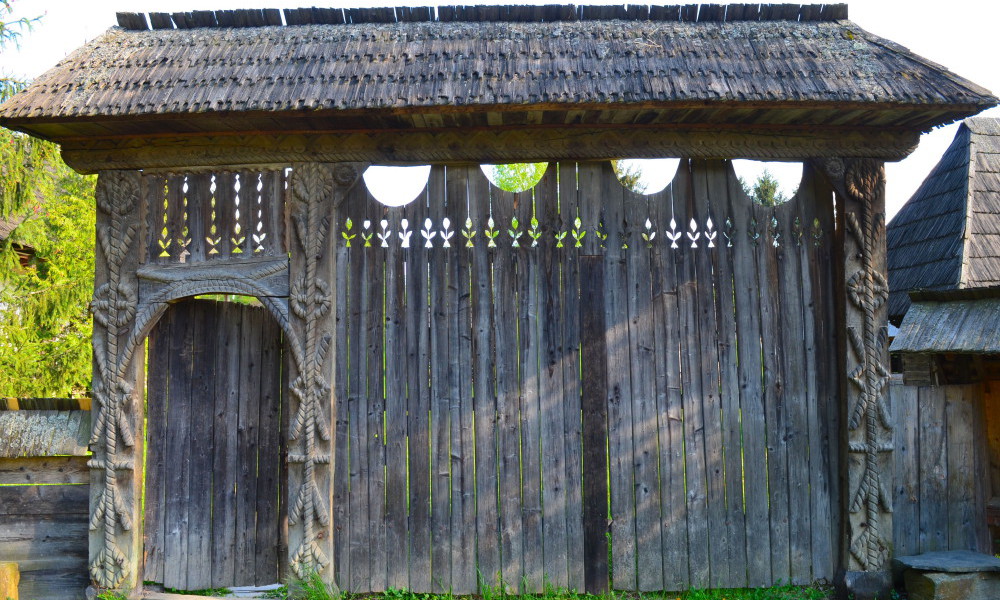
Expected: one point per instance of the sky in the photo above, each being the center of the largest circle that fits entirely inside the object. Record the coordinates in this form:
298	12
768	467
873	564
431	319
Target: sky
958	34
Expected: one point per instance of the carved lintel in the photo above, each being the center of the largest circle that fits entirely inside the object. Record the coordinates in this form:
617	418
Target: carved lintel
483	145
259	277
860	187
116	438
316	192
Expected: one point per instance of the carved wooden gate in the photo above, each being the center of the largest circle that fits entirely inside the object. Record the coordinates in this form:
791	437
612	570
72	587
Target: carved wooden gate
215	470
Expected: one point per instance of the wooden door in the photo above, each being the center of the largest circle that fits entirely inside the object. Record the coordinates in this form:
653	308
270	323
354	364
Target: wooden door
215	468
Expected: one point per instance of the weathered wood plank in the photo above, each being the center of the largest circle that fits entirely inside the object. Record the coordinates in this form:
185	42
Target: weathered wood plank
933	469
56	584
717	173
375	405
711	405
396	377
695	473
552	401
962	523
594	385
177	452
157	395
270	473
570	367
673	519
484	390
642	364
418	356
198	196
247	446
203	325
226	425
341	487
44	469
528	375
440	393
906	503
43	500
44	433
505	311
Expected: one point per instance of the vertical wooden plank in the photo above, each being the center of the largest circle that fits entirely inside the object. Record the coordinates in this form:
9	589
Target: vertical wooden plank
981	462
822	380
711	405
418	356
158	380
775	414
717	174
225	212
343	523
204	317
505	311
528	374
649	542
695	469
621	455
933	469
553	403
906	504
396	378
175	218
569	332
374	306
271	235
177	448
246	448
154	196
743	230
673	524
440	360
484	390
225	461
352	214
795	364
962	526
199	196
246	216
593	350
463	514
268	451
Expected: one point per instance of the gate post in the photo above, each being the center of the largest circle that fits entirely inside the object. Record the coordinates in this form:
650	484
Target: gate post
866	437
116	479
316	192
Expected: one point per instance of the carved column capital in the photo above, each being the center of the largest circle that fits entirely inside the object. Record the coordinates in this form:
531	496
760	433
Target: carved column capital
867	432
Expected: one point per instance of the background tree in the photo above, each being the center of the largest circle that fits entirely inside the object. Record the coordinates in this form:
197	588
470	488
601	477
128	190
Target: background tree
516	177
45	325
766	190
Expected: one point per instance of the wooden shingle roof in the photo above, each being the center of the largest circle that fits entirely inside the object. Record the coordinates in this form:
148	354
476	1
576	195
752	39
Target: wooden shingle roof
376	68
961	321
947	236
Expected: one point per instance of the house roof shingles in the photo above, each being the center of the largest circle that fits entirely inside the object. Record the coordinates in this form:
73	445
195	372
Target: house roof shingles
471	59
947	236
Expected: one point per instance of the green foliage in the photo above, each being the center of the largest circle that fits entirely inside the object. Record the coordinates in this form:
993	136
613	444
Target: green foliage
312	587
109	595
44	320
516	177
765	190
630	175
205	592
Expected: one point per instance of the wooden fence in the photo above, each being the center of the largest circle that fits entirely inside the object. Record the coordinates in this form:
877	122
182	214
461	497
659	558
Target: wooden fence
472	433
942	469
44	500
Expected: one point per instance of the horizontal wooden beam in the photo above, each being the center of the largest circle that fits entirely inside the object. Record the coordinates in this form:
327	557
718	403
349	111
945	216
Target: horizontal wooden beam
194	151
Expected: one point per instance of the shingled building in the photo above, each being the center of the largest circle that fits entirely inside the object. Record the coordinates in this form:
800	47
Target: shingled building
450	370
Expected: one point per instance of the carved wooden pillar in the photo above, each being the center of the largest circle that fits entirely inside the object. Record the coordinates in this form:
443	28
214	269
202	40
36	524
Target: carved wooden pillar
867	432
116	441
316	193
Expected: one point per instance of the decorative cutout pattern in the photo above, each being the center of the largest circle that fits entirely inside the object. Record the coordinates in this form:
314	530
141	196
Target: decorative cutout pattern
114	309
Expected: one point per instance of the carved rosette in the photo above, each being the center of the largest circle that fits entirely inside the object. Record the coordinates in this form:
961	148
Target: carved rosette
113	506
861	184
316	191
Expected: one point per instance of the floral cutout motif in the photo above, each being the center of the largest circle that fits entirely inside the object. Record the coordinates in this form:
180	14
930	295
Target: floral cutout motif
514	233
385	234
752	232
817	233
346	233
367	233
534	233
774	232
710	233
673	235
428	233
729	232
650	234
694	235
578	232
446	233
491	232
468	233
404	233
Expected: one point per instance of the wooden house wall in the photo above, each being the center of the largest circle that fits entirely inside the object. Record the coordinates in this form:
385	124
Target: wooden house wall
44	501
461	441
942	463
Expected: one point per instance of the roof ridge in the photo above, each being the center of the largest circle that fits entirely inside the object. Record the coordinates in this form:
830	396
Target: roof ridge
690	13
